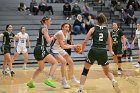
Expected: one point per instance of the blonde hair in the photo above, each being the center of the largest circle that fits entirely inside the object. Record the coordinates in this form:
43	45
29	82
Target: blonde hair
101	18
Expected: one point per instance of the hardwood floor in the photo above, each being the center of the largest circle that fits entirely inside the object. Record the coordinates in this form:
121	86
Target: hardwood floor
97	82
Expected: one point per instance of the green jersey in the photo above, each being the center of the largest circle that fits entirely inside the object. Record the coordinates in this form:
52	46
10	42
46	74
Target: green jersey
41	40
7	37
100	36
116	36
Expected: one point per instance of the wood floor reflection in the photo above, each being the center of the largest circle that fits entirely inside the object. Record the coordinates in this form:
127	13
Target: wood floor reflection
97	82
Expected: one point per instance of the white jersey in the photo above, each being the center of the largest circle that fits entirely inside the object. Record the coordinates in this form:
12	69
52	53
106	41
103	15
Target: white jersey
22	39
138	36
56	45
21	46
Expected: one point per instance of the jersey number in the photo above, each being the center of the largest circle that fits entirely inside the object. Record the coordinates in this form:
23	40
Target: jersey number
114	39
22	40
100	36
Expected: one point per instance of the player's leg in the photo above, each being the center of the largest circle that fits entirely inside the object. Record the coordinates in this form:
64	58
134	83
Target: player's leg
71	69
50	59
25	55
83	77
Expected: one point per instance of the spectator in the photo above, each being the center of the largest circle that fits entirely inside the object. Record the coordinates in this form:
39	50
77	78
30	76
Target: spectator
50	1
65	1
67	11
34	7
79	25
86	10
76	9
113	2
21	7
89	23
134	3
120	8
130	15
44	7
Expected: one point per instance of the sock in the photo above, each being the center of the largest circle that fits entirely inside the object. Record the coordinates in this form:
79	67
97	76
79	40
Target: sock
113	80
81	87
24	65
64	79
73	77
49	77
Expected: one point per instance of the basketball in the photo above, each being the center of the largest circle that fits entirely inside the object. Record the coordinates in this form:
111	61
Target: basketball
78	49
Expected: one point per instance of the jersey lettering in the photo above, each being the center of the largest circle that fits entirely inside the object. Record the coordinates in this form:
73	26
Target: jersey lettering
100	36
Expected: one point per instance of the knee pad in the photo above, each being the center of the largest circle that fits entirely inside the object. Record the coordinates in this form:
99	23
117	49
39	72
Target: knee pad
119	59
85	71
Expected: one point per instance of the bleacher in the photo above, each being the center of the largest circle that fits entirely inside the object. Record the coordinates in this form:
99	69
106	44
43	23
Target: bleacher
10	15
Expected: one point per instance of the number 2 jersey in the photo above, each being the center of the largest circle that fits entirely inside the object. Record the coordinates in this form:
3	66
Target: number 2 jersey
99	37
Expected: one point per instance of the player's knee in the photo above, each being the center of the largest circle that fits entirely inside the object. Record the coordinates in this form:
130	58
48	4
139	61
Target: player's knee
85	71
119	59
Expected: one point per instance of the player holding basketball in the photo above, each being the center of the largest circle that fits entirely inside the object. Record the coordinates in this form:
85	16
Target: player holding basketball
100	35
57	49
22	37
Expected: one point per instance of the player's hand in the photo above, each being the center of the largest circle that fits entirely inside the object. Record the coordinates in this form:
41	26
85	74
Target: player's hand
14	46
112	53
74	46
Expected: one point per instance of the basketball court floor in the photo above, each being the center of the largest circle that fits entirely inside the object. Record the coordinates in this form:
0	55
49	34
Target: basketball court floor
97	82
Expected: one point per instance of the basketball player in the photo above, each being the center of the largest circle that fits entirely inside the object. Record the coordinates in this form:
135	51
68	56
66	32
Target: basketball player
22	38
42	55
137	36
8	36
57	48
98	52
119	44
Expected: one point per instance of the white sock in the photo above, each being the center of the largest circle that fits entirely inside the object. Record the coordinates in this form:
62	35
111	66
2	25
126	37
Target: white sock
49	77
73	77
24	65
64	79
113	80
81	86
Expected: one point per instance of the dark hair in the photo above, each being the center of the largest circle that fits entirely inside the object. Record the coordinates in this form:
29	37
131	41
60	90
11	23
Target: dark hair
7	26
101	19
65	24
21	4
44	18
21	27
117	24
